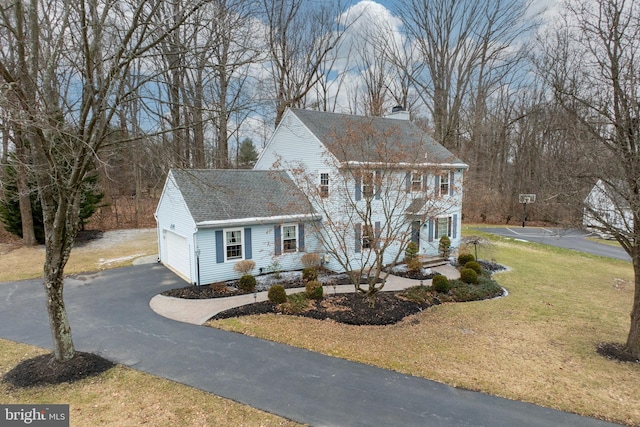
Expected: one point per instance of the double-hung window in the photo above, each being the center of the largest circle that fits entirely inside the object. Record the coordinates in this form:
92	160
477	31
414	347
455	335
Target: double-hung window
367	236
444	184
289	238
443	227
416	181
324	184
233	244
367	184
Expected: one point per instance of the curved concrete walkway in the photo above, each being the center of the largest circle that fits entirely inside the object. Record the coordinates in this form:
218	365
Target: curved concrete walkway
198	311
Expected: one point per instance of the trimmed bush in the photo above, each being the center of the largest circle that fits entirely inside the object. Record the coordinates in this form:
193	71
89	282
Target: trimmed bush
277	294
245	266
309	274
247	283
444	246
411	252
296	303
465	258
467	275
475	266
314	290
311	260
414	265
440	283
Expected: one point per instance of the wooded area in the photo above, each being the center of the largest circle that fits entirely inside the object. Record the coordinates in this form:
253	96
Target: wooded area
472	73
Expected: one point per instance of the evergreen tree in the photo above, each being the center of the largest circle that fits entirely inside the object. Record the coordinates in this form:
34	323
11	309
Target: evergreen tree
10	207
247	154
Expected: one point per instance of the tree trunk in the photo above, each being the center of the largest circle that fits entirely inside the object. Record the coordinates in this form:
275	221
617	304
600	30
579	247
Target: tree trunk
24	193
633	339
63	348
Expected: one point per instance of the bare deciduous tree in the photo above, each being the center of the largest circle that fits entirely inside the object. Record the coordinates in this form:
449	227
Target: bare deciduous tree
300	36
464	45
66	101
592	64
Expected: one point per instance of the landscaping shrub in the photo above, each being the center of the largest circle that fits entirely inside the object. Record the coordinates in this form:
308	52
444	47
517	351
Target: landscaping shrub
311	260
444	246
420	294
465	258
247	283
475	266
309	274
486	288
414	265
411	252
468	275
440	284
245	266
296	303
314	289
277	294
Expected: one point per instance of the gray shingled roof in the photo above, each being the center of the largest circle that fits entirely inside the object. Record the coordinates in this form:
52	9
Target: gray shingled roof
390	139
224	194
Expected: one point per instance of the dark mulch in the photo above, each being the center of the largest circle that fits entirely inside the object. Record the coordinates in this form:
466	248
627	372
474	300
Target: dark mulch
491	266
45	369
615	351
230	289
352	309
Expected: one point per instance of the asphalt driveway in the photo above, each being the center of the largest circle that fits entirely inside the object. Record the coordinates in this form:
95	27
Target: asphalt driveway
563	238
110	315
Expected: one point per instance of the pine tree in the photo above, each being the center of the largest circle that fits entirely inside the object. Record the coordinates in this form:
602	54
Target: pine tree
247	154
10	207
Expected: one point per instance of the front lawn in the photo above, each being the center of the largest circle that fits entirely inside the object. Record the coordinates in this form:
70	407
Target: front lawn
537	345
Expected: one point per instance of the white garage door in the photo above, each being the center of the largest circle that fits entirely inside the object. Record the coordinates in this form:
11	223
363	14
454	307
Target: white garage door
177	251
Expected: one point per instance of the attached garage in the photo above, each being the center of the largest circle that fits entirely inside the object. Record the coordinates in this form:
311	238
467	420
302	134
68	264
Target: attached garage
176	254
209	220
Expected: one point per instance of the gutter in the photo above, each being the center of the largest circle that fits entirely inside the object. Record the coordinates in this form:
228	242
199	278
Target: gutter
258	220
405	165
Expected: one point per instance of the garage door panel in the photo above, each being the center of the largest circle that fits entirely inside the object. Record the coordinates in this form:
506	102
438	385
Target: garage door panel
177	250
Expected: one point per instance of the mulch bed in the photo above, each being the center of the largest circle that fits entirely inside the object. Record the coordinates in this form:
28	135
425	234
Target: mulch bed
615	351
45	369
230	289
352	309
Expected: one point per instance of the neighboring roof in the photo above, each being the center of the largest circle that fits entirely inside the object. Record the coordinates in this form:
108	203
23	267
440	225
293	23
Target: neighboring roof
214	195
391	140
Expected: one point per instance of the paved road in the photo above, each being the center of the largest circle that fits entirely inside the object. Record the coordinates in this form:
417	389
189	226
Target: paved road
110	315
568	239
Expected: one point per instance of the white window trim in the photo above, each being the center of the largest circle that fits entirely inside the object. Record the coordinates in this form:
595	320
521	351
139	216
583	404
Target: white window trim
242	243
320	183
416	181
436	232
282	239
363	227
444	180
372	184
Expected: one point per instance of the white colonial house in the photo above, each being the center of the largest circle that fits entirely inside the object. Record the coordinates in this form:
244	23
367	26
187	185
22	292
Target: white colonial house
605	209
326	183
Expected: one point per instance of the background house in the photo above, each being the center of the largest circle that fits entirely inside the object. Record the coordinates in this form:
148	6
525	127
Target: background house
210	219
606	209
